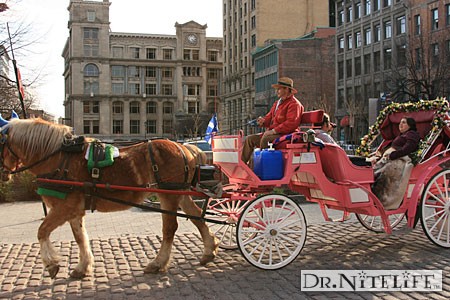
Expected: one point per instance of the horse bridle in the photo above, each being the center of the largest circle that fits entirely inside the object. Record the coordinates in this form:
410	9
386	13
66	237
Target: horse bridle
4	143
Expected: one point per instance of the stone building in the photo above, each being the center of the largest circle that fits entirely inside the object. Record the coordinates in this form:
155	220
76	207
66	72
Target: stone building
125	86
247	24
308	60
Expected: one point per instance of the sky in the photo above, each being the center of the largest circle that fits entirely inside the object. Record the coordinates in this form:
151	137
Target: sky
49	18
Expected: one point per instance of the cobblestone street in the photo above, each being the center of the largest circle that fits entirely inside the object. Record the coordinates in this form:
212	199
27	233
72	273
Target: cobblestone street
120	260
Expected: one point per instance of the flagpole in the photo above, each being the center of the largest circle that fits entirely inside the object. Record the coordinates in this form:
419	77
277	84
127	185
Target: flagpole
24	113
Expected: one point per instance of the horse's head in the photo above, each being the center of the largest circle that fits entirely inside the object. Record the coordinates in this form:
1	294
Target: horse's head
8	159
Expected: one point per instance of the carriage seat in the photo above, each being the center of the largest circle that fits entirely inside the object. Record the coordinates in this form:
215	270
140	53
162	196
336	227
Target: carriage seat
307	122
337	166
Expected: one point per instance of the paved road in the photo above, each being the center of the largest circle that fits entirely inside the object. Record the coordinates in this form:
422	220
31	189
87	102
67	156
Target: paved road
124	242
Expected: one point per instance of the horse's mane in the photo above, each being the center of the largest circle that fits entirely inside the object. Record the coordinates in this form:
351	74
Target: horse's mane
37	136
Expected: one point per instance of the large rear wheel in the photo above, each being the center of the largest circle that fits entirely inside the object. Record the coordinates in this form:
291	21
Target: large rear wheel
435	208
271	231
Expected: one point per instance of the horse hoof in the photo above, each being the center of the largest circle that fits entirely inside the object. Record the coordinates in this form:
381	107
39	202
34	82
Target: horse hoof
206	259
77	274
53	270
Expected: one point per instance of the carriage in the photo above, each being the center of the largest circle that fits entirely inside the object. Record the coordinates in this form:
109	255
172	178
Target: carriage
269	228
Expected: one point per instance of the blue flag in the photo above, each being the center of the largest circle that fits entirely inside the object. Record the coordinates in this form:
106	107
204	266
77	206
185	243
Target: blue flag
211	129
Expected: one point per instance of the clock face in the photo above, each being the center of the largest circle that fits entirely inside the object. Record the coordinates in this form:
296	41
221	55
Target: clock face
192	39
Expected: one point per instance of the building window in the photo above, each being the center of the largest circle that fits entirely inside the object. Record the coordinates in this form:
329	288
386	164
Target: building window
135	126
167	108
91	127
417	25
350	13
367	64
212	90
134	107
167	73
150	53
341	44
90	34
91	88
150	88
167	54
253	22
377	33
376	61
358	39
367	36
193	107
117	107
418	58
357	10
387	30
341	18
349	42
435	53
349	67
117	127
376	5
150	126
166	89
358	66
341	70
91	70
91	107
253	42
167	126
90	15
367	7
150	72
387	58
387	3
150	107
213	73
90	50
117	71
213	55
401	25
189	54
117	88
134	89
401	55
434	19
133	72
447	14
117	52
135	52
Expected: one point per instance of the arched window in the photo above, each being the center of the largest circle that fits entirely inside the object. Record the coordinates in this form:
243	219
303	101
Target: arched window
167	108
151	107
134	107
117	107
91	70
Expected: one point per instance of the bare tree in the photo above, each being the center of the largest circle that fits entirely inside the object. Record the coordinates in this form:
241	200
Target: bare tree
425	73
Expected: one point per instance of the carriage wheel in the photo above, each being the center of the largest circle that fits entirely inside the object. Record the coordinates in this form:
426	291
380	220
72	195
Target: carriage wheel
375	224
227	210
271	231
435	208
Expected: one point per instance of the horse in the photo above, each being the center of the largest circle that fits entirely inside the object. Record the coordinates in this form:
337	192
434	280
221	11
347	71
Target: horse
36	145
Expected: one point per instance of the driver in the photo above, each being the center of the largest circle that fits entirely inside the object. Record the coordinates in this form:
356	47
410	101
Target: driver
283	118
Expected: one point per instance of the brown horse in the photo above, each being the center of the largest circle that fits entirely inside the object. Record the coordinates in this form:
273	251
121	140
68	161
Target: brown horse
36	144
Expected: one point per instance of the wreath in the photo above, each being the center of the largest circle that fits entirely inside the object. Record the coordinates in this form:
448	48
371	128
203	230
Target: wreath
440	105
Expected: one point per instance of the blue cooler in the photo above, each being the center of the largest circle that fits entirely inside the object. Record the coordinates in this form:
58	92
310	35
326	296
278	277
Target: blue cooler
268	163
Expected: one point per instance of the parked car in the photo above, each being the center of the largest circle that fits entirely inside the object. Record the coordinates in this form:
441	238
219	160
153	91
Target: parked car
205	147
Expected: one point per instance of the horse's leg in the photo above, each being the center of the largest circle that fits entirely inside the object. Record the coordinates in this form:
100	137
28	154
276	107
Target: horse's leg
84	266
211	243
170	225
50	257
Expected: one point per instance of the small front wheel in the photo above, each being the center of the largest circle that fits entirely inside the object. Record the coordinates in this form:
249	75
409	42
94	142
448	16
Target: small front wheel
374	223
435	208
271	232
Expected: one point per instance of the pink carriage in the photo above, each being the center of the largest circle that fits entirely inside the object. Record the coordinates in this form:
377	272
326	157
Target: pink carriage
270	229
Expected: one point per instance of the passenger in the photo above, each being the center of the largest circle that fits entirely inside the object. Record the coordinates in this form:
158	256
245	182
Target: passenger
392	171
283	118
325	130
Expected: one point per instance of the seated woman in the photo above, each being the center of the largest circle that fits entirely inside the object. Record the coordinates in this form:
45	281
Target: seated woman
392	171
326	127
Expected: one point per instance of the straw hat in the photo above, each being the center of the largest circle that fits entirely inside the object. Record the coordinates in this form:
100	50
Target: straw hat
285	82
